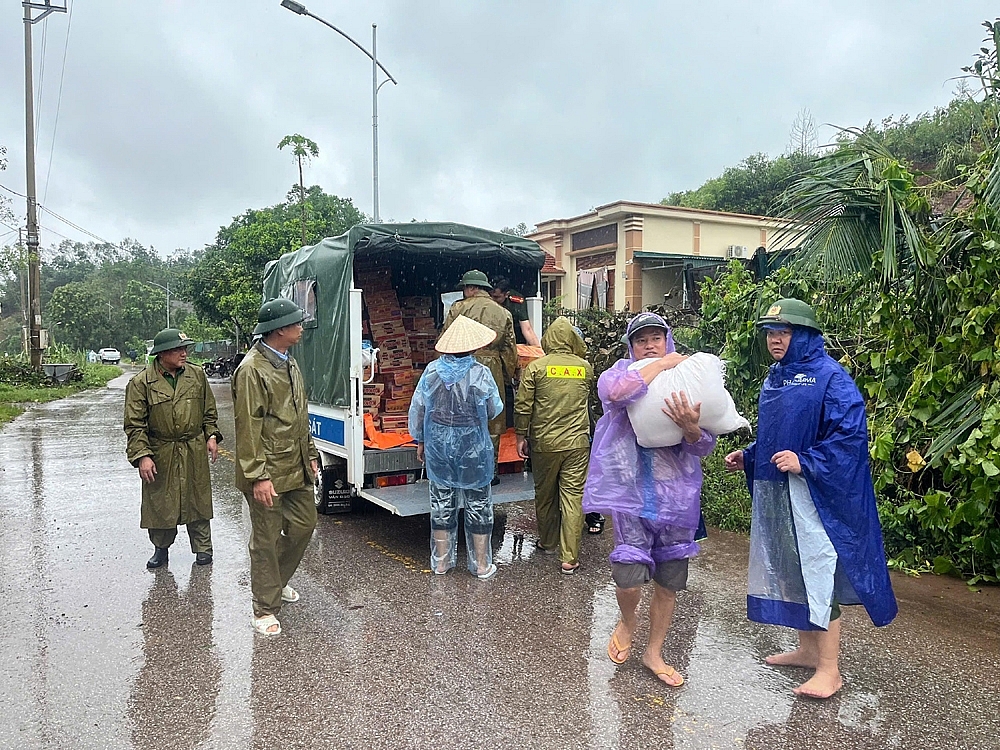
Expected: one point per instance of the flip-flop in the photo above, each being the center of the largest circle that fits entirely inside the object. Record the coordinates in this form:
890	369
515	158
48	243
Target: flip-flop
596	527
669	672
261	625
487	574
290	595
570	570
615	644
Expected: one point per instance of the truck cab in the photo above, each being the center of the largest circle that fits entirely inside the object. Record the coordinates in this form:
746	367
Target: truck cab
339	354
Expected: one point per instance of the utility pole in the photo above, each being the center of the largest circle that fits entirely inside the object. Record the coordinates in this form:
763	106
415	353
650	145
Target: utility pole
36	344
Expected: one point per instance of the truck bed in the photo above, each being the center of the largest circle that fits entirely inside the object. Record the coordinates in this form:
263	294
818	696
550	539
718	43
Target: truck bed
413	499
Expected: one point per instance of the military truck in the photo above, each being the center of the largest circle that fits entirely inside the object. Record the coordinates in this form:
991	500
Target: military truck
337	360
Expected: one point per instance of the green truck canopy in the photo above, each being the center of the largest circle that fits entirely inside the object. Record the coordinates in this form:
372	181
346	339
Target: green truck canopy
426	259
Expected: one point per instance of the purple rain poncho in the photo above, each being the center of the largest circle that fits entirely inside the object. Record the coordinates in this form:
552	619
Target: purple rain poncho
661	485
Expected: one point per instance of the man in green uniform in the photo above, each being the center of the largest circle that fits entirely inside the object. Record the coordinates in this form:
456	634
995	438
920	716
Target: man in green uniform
552	413
513	302
501	355
276	460
171	423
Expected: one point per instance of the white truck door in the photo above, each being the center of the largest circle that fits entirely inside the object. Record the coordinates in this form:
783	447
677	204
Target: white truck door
354	439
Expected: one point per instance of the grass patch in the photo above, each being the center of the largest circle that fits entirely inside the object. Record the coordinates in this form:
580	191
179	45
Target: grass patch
725	500
14	398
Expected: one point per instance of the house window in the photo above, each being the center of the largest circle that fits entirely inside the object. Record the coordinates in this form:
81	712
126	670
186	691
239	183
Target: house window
550	290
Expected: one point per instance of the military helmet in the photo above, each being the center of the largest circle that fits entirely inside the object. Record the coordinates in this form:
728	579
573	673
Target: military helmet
277	313
476	278
791	311
170	338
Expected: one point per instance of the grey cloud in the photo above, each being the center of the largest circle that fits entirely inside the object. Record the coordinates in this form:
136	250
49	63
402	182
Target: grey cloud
504	112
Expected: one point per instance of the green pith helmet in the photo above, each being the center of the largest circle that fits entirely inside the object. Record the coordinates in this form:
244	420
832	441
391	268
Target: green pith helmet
791	311
476	278
170	338
277	313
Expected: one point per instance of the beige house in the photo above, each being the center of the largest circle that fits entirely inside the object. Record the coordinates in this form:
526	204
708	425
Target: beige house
629	255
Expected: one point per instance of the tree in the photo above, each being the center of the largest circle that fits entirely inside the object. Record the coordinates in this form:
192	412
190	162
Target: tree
518	231
803	138
225	285
6	215
79	316
143	310
302	149
753	187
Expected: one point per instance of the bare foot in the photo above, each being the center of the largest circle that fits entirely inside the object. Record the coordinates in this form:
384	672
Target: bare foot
620	645
820	685
663	671
796	658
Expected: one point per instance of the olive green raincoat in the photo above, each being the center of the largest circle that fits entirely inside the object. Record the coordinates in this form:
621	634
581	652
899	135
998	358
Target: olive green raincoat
501	355
272	423
172	426
551	407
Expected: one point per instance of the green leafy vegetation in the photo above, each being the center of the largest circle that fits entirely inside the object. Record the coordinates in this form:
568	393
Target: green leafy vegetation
225	284
21	385
910	304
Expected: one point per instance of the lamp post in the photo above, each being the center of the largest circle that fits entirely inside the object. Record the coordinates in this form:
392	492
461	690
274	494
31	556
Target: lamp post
167	290
300	9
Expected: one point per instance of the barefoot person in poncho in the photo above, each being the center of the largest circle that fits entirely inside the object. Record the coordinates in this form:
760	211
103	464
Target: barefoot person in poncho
815	538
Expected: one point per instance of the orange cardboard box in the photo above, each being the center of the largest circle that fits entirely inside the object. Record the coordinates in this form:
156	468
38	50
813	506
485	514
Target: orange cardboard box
381	298
401	391
397	365
388	330
405	378
396	405
383	314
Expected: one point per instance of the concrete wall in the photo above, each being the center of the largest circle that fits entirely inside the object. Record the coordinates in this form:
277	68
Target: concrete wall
716	237
665	235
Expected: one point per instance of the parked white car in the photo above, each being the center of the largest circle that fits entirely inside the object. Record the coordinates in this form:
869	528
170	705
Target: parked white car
110	356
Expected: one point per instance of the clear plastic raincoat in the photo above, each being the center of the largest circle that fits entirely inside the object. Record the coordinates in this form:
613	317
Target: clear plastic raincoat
451	408
815	538
661	485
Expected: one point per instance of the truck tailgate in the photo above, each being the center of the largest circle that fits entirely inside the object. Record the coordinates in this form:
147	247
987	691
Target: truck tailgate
413	499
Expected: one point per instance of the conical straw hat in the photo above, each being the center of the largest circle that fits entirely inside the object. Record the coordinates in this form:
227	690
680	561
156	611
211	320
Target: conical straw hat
464	335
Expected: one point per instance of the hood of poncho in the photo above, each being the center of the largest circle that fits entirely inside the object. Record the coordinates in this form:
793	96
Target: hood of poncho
452	368
560	336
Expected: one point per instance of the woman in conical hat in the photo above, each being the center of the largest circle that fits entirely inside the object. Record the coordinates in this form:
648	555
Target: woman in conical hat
449	420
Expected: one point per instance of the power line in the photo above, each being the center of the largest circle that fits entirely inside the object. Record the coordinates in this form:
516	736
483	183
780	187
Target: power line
77	227
63	219
55	125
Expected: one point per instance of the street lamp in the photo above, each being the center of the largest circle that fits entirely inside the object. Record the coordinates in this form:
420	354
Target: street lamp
300	9
167	290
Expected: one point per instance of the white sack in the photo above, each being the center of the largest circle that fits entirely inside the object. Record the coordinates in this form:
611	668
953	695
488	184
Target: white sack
701	377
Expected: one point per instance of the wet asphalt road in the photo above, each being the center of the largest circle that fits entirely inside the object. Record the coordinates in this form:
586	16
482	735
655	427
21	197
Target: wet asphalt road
98	652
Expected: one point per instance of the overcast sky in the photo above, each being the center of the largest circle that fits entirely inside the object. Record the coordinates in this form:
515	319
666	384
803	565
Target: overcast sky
171	110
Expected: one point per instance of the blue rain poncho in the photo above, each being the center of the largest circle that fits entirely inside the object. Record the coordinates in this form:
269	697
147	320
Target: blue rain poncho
453	403
815	538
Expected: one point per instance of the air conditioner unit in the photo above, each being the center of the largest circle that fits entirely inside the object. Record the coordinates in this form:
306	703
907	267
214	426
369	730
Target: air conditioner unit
736	251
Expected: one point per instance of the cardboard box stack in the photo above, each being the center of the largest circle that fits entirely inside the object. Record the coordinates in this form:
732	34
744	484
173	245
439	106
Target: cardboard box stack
420	330
403	330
